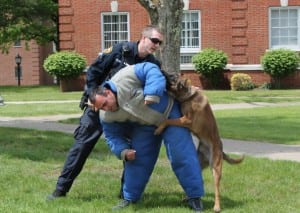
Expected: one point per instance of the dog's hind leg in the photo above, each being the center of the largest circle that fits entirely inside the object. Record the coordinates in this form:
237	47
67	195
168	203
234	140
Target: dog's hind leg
217	174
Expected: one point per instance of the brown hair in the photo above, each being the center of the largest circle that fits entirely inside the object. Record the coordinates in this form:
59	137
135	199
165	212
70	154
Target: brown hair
149	29
97	91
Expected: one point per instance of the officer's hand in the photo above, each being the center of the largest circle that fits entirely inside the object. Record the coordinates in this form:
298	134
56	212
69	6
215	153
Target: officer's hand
83	101
90	105
130	154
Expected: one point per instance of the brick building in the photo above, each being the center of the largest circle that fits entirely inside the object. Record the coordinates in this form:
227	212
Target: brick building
32	72
244	29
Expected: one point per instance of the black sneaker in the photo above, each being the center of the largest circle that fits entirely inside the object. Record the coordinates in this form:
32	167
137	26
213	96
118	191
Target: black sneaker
56	194
122	204
195	204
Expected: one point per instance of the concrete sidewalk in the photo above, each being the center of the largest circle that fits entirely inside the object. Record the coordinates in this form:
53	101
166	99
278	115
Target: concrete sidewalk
252	148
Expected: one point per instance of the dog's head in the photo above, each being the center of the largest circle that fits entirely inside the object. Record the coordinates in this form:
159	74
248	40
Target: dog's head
178	86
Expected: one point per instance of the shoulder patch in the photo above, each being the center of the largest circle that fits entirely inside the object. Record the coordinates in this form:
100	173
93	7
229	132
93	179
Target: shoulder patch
108	50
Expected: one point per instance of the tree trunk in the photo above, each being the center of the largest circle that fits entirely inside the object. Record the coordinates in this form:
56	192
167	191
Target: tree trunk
168	16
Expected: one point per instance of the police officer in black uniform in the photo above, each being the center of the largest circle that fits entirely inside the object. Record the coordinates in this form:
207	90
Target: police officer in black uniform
89	130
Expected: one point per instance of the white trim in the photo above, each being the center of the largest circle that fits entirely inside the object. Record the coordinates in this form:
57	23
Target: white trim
243	67
232	67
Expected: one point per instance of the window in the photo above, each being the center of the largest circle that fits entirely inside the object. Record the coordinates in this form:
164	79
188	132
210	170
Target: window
115	29
190	36
284	28
17	43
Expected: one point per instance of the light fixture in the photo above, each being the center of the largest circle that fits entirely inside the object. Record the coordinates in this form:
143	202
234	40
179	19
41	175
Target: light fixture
186	4
284	3
114	6
18	59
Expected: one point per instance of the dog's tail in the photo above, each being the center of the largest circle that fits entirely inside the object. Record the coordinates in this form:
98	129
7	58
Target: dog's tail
232	160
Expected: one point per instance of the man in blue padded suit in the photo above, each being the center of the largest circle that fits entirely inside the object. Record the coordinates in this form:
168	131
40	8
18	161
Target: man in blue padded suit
89	131
132	104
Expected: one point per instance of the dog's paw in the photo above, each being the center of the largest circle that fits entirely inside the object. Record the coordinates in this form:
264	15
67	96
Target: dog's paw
158	131
185	120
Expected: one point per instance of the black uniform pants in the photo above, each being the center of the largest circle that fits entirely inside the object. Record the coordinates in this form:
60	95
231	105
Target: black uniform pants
86	136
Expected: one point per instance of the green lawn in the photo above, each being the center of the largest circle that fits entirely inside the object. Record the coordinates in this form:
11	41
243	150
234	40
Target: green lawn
32	160
234	124
270	124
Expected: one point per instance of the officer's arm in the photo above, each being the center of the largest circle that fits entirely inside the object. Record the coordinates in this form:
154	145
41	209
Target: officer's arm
100	68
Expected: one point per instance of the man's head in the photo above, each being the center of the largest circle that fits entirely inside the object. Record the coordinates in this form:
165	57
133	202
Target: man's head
150	41
104	99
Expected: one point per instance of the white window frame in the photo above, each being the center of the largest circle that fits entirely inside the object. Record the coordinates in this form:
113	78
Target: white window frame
191	50
295	47
103	32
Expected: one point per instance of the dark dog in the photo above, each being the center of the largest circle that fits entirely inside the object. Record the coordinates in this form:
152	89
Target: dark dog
199	118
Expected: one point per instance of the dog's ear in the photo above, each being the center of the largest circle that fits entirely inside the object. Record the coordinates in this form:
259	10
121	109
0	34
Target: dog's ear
171	78
181	86
188	82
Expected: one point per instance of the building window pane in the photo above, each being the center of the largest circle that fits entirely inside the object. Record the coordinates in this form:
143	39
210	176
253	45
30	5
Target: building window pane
186	58
190	35
115	29
17	44
284	28
190	30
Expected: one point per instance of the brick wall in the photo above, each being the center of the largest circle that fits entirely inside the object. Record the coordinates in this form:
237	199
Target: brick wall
31	65
238	27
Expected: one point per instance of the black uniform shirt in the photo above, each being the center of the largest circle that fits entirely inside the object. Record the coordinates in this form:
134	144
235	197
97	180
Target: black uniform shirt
112	60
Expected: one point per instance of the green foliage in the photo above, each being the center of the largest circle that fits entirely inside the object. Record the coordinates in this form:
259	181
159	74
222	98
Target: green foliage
280	63
27	20
65	64
241	81
210	63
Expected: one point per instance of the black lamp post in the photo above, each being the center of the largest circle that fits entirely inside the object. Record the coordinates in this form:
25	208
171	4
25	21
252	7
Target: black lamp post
18	60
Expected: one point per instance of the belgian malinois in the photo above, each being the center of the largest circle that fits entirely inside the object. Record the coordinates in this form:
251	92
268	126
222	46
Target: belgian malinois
199	118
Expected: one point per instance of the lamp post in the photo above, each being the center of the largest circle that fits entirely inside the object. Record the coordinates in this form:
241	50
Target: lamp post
18	60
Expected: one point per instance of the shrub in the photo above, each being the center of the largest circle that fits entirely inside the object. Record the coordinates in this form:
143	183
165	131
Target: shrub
241	81
280	63
210	63
65	64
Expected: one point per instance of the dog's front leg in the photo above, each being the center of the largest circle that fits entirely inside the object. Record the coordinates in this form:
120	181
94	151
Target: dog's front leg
183	121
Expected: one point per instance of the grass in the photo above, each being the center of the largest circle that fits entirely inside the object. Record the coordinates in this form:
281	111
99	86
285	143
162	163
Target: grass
270	124
31	161
36	93
270	96
234	124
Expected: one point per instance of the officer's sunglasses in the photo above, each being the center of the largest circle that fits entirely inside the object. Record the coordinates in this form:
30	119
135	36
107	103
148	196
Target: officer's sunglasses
155	40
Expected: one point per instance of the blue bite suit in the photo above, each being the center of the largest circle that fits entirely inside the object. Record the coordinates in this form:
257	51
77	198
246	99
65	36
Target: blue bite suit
135	131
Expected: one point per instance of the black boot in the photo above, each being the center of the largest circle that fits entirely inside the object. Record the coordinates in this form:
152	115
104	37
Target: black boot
56	194
195	204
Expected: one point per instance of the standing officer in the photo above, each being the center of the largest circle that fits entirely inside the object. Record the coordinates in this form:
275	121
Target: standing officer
89	130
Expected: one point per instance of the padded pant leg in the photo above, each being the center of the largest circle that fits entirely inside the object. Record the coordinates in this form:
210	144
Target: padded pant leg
86	136
138	171
183	157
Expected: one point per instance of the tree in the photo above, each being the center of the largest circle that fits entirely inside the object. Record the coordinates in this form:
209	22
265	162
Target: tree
168	16
28	20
